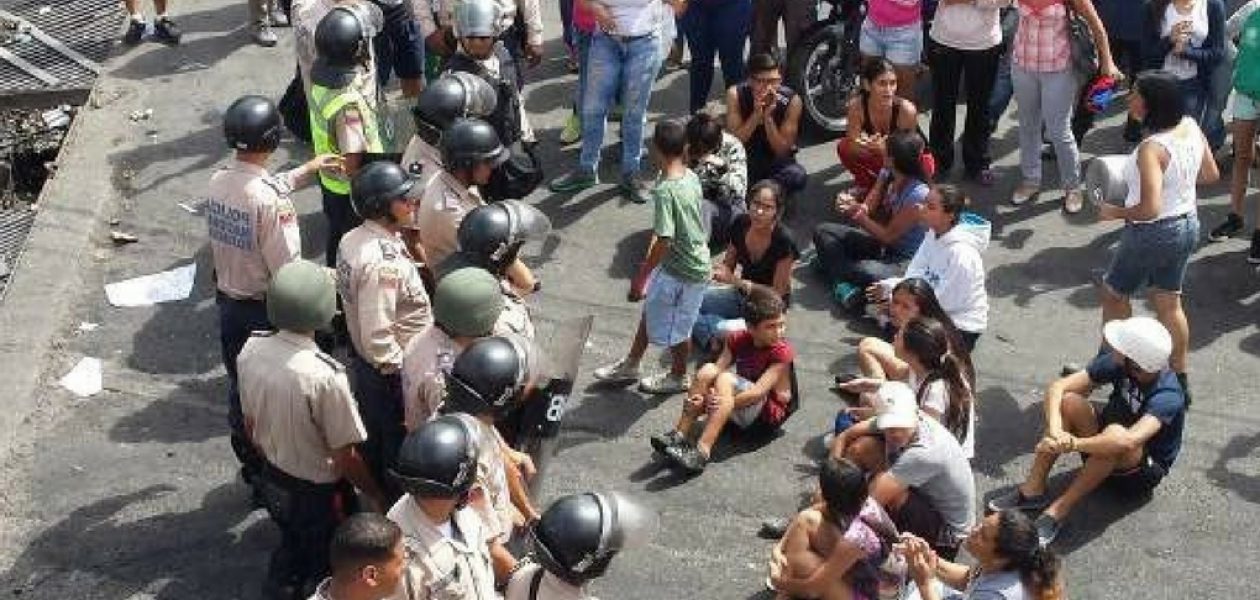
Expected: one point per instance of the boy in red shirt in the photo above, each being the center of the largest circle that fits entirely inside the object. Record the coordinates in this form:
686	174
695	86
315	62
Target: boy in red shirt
750	383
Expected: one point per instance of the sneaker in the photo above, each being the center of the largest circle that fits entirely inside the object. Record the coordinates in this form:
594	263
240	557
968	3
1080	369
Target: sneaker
277	18
664	441
1232	226
572	132
848	296
573	181
135	32
663	384
689	457
1024	193
166	31
1047	529
620	371
774	528
1073	202
263	35
637	188
1253	254
1016	500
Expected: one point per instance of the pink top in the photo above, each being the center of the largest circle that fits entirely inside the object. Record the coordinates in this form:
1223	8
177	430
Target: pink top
583	19
1041	40
894	13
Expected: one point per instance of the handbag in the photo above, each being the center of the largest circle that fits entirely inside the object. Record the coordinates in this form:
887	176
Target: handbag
1081	42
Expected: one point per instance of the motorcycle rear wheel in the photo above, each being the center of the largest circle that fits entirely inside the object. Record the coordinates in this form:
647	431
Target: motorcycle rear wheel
823	70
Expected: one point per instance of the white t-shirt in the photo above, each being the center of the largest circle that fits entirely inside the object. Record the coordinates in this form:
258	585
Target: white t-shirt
1185	68
634	17
936	399
1184	144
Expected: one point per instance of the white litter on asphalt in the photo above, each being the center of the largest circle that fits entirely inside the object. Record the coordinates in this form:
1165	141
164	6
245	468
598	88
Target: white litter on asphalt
84	379
87	327
167	286
192	208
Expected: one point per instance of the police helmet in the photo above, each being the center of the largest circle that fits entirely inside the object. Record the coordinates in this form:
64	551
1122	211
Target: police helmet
301	297
468	142
476	18
450	97
252	124
467	302
493	234
579	534
488	376
439	458
376	186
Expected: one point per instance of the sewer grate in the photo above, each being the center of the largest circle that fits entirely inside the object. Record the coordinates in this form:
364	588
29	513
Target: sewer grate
54	49
15	225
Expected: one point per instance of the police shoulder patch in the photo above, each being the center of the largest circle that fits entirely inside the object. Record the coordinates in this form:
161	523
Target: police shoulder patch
279	185
389	249
388	275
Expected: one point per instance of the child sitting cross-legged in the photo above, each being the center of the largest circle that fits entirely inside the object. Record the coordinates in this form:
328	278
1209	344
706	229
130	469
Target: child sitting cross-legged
749	383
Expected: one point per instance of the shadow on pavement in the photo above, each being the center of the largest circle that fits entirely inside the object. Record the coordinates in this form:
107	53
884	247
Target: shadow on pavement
195	412
1004	431
195	52
1052	270
204	146
1246	486
181	337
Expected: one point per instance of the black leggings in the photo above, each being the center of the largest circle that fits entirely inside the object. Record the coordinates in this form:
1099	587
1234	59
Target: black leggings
849	254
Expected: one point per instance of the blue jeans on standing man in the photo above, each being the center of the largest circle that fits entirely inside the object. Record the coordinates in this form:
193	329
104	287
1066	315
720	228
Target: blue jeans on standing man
715	28
624	63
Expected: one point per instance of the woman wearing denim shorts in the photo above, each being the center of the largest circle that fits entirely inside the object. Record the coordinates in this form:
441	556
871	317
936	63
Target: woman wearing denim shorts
1160	213
893	29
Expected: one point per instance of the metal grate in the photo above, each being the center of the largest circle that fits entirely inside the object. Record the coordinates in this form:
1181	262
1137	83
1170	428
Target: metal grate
15	224
55	46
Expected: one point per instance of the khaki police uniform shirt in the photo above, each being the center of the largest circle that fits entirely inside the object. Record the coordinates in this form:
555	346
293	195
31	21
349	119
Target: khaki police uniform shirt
252	225
297	404
381	293
491	499
515	318
427	360
441	567
425	162
549	588
306	17
441	209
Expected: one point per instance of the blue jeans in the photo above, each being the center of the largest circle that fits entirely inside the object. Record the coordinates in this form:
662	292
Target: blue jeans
720	304
628	64
1153	254
1003	90
715	28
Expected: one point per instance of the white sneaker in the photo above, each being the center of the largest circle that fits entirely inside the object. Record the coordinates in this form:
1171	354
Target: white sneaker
620	371
664	384
264	36
1024	193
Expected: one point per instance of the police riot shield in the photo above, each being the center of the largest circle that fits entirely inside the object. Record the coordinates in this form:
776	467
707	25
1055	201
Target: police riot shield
533	426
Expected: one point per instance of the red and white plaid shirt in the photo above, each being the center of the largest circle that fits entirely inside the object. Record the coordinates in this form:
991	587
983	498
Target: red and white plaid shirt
1041	41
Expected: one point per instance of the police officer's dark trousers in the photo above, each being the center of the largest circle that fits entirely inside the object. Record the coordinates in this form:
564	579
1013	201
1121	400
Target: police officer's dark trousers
307	514
341	219
237	320
380	402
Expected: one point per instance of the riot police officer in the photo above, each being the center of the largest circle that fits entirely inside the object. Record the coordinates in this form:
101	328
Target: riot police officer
574	543
385	303
450	555
491	237
345	111
467	305
481	55
303	422
471	151
253	231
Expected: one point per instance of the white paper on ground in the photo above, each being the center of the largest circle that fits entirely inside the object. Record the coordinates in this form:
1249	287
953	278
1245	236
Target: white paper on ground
167	286
85	378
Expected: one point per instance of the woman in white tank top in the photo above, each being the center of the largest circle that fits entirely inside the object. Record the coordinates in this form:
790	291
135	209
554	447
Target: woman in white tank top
1160	213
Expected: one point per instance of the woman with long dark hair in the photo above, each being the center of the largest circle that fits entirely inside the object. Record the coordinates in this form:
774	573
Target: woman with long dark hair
1187	40
875	113
1010	564
942	379
910	298
882	230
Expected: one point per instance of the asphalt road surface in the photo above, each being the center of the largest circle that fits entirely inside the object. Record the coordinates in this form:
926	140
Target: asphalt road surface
132	493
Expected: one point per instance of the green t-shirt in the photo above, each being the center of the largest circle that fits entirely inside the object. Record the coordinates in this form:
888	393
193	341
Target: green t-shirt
1247	64
677	216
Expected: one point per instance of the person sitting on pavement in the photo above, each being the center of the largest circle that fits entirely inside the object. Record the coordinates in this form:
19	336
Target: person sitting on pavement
758	234
677	266
1010	564
950	260
766	116
1131	445
942	380
471	150
883	230
834	549
750	383
718	159
910	298
922	479
368	556
874	114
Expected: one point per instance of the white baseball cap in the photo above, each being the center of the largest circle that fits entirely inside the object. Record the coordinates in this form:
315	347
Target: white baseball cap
1142	340
897	406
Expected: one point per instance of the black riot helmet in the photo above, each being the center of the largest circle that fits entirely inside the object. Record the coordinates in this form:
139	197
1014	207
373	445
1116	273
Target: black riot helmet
439	458
343	42
376	185
488	376
468	142
492	235
452	96
252	124
578	535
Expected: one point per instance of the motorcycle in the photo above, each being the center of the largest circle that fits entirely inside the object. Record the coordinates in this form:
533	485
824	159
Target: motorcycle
823	68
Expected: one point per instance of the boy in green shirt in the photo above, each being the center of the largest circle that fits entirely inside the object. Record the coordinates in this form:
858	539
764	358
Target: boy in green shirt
675	272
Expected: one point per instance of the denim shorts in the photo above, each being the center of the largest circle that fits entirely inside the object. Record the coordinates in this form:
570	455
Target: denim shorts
1245	107
901	45
671	308
1153	254
746	416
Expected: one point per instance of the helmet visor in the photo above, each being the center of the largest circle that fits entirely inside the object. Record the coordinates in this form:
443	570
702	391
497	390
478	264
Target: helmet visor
527	222
370	17
631	523
480	99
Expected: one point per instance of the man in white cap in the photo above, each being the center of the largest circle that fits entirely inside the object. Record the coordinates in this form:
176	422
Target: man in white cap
1130	445
921	477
